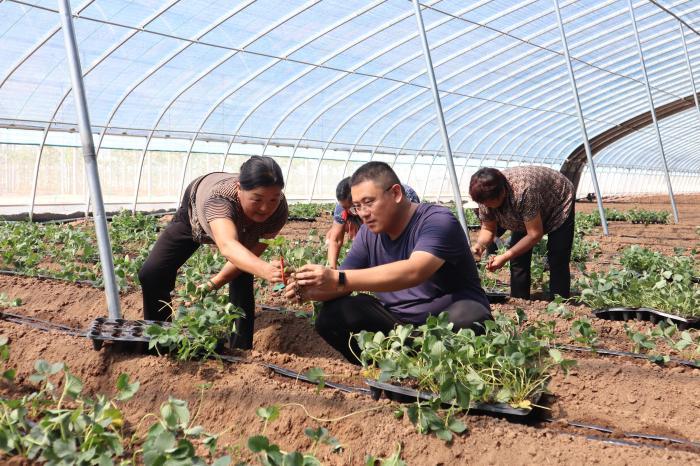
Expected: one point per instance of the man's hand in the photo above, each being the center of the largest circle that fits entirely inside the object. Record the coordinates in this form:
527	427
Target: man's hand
496	262
317	276
293	291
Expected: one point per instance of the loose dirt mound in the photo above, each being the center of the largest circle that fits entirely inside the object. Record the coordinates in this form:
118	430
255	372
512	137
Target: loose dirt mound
625	395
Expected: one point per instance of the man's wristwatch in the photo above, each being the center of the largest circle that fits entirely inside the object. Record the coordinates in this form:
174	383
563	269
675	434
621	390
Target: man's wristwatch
341	280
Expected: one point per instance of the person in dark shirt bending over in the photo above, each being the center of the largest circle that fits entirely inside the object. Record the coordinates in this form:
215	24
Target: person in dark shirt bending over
414	257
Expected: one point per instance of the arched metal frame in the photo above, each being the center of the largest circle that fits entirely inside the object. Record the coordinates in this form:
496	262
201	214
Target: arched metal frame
509	131
86	72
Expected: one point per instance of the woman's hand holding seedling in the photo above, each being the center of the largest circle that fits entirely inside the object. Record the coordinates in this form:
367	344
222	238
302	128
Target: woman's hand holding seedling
272	272
496	262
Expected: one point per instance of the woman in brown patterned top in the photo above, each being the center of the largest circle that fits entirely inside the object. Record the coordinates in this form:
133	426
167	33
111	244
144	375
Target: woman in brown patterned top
233	211
530	202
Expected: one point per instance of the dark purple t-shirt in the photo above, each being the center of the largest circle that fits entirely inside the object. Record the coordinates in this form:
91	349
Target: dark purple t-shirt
432	229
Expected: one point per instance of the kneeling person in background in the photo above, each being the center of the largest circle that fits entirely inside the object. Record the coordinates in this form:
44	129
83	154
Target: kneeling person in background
414	257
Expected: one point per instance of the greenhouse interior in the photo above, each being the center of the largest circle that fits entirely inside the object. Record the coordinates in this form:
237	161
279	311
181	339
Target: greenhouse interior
453	232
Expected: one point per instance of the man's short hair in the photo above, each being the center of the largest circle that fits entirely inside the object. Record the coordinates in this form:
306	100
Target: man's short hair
342	191
378	172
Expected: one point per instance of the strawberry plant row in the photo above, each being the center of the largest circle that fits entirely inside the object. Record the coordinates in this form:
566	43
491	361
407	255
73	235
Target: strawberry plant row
648	280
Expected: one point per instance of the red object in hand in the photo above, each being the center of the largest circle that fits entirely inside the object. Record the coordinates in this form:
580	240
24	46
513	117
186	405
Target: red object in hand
284	279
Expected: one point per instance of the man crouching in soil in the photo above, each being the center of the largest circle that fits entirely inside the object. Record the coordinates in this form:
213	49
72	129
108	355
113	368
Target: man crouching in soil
414	258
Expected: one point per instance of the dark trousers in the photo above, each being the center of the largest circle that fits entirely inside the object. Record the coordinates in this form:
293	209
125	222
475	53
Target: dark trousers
340	318
559	243
158	273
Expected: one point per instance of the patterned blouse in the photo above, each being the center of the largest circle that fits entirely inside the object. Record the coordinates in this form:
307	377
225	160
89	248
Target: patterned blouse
215	195
530	191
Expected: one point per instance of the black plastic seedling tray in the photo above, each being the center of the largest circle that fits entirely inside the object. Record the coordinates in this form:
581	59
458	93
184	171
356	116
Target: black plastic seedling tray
103	329
302	219
409	395
646	314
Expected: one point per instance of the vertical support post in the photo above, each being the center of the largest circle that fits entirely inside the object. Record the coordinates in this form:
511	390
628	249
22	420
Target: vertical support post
690	68
653	111
441	120
88	144
581	121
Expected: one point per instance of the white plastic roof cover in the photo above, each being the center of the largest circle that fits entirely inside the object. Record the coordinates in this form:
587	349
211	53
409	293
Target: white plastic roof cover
350	74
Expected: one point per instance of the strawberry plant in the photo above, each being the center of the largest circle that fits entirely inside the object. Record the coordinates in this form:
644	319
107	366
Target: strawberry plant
646	342
583	332
393	460
509	363
170	440
309	210
558	308
648	279
6	301
469	214
8	374
67	428
646	216
197	329
270	454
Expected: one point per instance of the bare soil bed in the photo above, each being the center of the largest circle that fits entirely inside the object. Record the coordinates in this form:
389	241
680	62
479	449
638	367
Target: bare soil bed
622	394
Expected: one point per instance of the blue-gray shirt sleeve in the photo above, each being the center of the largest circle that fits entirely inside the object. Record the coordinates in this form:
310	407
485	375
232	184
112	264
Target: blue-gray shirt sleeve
358	256
338	214
442	236
411	194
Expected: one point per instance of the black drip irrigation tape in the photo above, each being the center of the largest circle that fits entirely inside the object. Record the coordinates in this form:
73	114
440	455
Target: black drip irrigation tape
280	370
631	435
609	352
41	324
49	277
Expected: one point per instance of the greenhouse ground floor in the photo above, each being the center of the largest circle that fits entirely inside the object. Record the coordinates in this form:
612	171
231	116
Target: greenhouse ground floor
622	394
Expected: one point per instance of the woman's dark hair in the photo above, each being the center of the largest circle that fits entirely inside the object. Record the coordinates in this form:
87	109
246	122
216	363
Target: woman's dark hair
342	191
259	171
487	184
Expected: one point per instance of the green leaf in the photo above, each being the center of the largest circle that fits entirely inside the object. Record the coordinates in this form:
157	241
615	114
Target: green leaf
55	368
269	413
444	434
504	395
126	389
164	441
518	358
448	391
555	354
195	431
222	461
73	385
457	426
258	443
293	459
316	375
